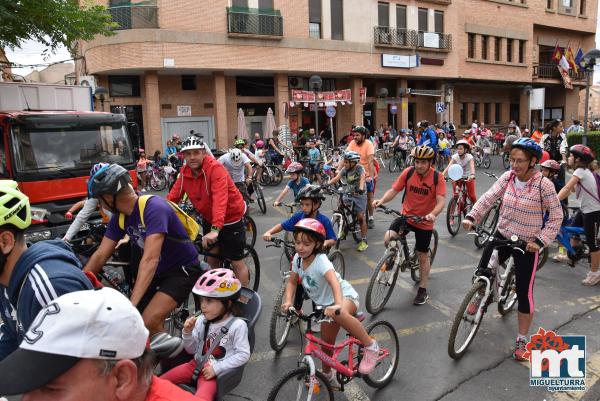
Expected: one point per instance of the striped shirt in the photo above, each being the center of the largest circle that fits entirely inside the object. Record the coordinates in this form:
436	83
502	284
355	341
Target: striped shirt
522	213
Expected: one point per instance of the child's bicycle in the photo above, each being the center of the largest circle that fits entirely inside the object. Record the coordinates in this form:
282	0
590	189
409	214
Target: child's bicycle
308	383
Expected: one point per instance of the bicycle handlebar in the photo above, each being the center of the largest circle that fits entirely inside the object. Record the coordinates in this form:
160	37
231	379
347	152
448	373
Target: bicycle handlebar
388	210
318	313
491	175
278	243
513	241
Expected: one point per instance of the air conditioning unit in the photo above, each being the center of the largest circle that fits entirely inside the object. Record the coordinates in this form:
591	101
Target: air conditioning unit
296	83
88	80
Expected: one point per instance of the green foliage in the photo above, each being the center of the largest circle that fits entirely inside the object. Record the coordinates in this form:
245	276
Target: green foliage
51	22
593	140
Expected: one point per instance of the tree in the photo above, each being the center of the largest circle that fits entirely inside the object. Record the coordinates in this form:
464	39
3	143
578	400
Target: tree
52	22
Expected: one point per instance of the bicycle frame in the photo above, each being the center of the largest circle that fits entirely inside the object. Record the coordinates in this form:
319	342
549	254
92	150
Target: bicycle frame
566	233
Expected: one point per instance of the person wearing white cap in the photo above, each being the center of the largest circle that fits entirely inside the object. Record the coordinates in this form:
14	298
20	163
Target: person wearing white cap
86	345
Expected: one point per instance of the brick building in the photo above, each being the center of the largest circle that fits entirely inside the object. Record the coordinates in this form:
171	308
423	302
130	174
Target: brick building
181	65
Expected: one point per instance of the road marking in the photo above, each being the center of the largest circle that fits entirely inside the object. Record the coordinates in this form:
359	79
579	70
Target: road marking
460	249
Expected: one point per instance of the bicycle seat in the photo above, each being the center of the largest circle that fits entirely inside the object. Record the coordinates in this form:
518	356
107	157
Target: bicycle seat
166	346
360	315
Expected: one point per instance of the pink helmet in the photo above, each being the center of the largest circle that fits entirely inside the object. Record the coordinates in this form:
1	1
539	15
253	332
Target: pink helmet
551	165
260	144
312	226
218	283
294	167
141	150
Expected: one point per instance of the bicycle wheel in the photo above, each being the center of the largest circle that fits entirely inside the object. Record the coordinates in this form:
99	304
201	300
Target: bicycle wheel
250	230
465	325
265	177
477	161
253	264
453	217
382	282
385	335
339	229
158	181
337	259
277	175
260	198
174	322
433	249
393	165
508	295
295	386
486	162
281	323
505	161
487	225
542	258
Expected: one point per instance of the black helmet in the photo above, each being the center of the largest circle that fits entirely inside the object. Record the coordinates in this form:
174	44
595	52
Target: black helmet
360	129
313	192
108	181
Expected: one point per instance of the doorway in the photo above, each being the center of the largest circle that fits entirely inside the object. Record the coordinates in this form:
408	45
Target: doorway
369	116
133	115
412	115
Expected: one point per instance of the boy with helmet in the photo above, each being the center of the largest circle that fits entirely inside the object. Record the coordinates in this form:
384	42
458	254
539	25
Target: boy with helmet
296	183
464	159
354	177
325	287
585	183
237	163
217	339
30	278
424	195
167	270
526	197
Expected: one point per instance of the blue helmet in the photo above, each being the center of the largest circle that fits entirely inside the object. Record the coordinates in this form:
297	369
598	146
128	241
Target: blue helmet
351	156
528	145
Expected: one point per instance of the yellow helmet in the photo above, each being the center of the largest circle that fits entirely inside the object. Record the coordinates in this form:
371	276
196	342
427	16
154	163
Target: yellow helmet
14	205
423	152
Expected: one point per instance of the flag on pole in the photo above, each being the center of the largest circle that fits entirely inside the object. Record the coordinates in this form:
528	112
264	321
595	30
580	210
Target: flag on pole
557	54
579	58
571	59
564	63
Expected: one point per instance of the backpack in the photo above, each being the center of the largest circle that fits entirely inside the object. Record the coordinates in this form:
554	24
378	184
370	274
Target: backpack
596	196
436	179
192	228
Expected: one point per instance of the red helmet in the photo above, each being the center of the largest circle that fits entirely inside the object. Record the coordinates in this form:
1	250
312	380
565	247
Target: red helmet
583	152
545	157
551	165
311	226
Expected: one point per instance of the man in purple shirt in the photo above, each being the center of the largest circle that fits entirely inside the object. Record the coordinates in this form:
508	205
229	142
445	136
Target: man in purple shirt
169	266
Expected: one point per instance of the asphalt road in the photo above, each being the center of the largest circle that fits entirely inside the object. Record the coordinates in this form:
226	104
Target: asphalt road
425	371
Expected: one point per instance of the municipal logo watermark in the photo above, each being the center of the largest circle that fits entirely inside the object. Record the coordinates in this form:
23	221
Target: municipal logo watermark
557	362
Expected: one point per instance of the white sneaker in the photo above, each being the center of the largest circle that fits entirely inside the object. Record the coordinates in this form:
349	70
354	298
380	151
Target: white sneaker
332	379
592	278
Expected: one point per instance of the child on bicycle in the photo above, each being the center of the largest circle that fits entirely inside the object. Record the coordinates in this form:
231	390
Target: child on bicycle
584	181
218	340
314	157
296	183
326	288
354	176
464	158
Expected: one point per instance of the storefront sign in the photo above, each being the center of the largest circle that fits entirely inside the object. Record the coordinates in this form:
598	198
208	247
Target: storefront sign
184	111
399	61
431	39
344	95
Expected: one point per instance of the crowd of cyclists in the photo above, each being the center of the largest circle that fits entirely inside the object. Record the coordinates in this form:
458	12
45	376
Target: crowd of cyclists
168	264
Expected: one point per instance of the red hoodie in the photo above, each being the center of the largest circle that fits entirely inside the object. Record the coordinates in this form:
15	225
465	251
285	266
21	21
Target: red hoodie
213	193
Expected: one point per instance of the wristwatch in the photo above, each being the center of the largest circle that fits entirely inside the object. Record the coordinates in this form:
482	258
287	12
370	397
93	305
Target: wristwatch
215	229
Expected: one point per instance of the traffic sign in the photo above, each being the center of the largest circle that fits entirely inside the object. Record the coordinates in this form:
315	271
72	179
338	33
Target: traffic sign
439	107
393	109
330	111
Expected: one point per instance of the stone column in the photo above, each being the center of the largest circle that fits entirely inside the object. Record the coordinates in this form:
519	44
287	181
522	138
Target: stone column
356	108
151	114
524	109
220	109
282	95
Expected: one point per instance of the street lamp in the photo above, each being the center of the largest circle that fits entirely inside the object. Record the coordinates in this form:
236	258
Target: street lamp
100	94
315	83
589	60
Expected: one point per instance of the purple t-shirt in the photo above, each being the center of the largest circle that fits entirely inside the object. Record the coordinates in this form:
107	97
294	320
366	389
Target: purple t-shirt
159	218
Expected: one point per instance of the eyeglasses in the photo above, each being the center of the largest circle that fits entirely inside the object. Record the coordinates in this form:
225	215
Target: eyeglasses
518	161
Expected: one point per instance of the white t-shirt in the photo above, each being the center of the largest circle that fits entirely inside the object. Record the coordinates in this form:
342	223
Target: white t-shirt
464	163
314	282
587	181
236	172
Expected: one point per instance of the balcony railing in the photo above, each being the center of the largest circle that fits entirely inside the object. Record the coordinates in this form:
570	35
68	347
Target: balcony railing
549	71
135	16
397	37
253	21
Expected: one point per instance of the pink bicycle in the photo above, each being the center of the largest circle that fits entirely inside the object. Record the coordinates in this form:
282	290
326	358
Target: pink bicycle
308	383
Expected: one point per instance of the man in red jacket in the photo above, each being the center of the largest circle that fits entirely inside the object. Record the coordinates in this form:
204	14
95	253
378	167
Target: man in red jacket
221	205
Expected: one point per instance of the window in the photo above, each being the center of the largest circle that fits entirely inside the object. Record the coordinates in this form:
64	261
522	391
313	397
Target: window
484	47
549	4
521	51
475	112
265	4
438	21
423	26
497	113
124	85
383	10
497	42
188	82
239	3
581	7
337	20
487	109
400	16
314	18
567	3
471	45
463	114
509	50
254	86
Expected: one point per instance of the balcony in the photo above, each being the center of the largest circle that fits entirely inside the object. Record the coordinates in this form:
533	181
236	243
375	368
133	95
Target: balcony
410	39
135	16
254	22
549	71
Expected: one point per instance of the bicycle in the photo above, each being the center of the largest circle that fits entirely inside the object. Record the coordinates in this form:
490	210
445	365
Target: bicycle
344	219
506	160
574	253
396	258
499	287
260	198
306	381
489	220
459	205
270	175
396	162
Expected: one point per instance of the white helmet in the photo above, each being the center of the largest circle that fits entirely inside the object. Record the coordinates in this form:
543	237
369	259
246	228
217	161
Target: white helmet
193	142
235	155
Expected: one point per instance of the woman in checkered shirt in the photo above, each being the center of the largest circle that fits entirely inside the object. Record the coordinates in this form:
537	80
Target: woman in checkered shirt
526	195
